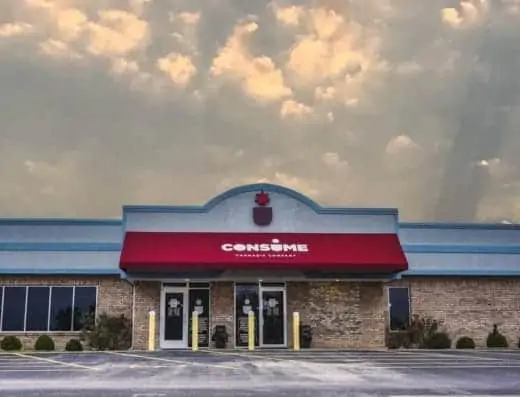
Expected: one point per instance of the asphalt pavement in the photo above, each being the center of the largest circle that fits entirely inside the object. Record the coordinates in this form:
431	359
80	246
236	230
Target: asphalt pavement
261	373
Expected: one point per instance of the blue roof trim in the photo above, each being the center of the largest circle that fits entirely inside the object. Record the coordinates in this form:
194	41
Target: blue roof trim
61	272
62	247
59	222
461	273
460	249
471	226
117	247
255	188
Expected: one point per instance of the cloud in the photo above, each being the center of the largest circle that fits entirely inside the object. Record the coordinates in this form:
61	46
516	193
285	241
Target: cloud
291	108
179	68
467	13
290	16
116	33
258	76
362	103
15	29
400	144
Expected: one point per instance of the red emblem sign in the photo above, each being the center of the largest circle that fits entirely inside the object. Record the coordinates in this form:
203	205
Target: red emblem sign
262	213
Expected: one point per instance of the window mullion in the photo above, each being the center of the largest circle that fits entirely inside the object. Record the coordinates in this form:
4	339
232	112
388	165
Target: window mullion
73	303
25	313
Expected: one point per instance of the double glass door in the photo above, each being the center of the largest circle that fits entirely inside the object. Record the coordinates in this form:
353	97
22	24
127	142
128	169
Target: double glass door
269	305
177	306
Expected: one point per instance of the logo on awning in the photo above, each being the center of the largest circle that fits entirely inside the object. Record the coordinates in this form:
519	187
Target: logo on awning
262	214
275	249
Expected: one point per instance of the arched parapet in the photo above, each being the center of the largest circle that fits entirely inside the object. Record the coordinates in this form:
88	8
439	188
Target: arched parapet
232	211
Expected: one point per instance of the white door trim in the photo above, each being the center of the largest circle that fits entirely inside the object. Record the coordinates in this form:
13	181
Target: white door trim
261	290
180	344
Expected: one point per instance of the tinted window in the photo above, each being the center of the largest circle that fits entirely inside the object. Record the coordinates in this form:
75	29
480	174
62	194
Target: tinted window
37	309
84	306
61	309
399	308
14	309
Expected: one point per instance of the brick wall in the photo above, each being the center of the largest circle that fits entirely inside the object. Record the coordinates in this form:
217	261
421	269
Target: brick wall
114	297
147	298
341	314
222	308
468	306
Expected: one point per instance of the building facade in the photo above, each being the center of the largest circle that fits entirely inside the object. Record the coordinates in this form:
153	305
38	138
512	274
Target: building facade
351	273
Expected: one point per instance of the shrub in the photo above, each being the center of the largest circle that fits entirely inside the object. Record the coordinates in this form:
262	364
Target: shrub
465	342
519	343
44	342
108	333
11	343
496	339
438	340
422	333
74	345
397	339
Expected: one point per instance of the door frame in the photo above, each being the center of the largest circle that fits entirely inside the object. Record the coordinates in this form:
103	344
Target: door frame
180	344
283	290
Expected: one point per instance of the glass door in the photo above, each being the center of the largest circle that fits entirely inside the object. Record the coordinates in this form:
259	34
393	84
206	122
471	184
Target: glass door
273	327
174	318
246	300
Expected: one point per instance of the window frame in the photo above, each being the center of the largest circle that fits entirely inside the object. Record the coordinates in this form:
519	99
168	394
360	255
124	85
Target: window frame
50	286
389	308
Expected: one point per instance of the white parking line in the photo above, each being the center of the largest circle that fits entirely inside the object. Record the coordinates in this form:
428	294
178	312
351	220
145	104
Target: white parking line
173	361
250	356
360	358
449	366
54	369
429	353
24	364
56	362
148	395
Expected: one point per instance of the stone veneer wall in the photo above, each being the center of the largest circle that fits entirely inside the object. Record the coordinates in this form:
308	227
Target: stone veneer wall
342	314
222	308
147	298
114	297
468	306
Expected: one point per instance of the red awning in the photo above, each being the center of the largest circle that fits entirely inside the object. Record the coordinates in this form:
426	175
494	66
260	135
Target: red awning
162	251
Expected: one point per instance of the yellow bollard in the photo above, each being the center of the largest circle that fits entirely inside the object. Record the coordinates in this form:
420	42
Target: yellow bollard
195	331
151	330
296	331
251	330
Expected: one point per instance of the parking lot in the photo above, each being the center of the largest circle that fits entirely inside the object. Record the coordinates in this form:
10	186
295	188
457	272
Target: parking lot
261	373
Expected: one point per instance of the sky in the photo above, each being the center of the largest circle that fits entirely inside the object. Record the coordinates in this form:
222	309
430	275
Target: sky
366	103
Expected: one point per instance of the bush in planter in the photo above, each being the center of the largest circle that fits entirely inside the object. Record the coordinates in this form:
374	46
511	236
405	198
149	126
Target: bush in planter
496	339
422	333
74	345
439	340
108	333
220	337
305	336
421	330
465	342
11	343
44	342
397	339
